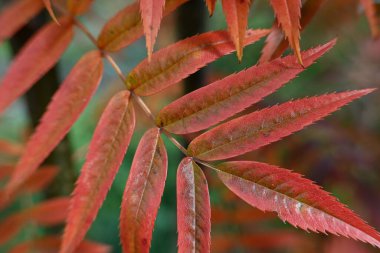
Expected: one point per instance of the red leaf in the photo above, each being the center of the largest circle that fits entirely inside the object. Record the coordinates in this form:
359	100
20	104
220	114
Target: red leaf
64	109
28	8
77	7
295	199
261	128
288	13
143	192
10	148
193	208
210	6
175	62
276	44
35	183
5	171
50	244
48	6
201	109
36	58
151	12
370	11
126	26
56	208
236	12
106	152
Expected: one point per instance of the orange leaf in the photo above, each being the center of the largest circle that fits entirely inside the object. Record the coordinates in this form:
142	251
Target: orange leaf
55	208
39	55
35	183
177	61
142	195
370	11
106	152
210	6
236	12
10	148
28	8
263	127
126	26
193	208
276	44
202	108
288	13
64	109
151	12
77	7
296	200
48	6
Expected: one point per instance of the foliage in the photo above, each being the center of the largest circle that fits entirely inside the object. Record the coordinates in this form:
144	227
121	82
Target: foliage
269	188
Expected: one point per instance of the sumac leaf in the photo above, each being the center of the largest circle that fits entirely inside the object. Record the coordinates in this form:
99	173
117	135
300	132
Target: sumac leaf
49	213
218	101
236	12
210	6
10	148
296	200
49	8
28	8
288	13
370	11
77	7
126	26
263	127
143	192
48	244
106	152
64	109
175	62
35	183
276	43
151	12
193	208
40	54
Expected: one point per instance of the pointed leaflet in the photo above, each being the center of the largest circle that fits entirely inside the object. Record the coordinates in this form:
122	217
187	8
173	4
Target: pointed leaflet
56	208
175	62
220	100
236	12
48	6
260	128
28	8
77	7
142	195
210	6
276	44
126	26
40	54
295	199
193	208
288	16
64	109
106	152
370	11
48	244
151	12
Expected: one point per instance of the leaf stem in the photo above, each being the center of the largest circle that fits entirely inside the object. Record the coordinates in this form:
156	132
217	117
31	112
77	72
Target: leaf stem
140	102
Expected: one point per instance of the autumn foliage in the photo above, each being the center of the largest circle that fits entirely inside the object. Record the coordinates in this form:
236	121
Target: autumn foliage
215	114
